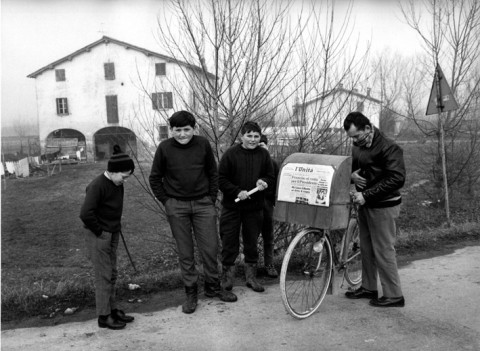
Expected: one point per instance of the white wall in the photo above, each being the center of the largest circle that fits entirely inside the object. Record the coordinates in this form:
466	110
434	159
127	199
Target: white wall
85	87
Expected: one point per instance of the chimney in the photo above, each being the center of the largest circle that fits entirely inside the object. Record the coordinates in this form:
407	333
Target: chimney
368	91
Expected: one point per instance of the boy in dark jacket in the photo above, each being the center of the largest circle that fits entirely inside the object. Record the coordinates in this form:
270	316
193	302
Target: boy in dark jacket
243	167
184	178
268	224
101	214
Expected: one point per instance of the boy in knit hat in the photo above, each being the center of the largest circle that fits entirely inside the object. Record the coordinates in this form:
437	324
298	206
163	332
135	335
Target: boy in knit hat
101	215
184	178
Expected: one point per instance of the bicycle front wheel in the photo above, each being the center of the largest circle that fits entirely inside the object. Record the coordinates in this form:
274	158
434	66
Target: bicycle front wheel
306	272
353	265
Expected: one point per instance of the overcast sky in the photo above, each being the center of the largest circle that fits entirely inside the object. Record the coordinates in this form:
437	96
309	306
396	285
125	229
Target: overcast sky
38	32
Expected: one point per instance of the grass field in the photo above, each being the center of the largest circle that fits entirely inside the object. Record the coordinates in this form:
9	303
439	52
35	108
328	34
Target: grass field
44	268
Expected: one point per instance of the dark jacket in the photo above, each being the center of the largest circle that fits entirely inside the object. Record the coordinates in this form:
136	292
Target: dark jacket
239	170
271	191
383	167
184	172
103	206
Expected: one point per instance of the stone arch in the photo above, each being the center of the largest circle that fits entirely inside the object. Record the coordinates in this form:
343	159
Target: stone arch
106	138
66	143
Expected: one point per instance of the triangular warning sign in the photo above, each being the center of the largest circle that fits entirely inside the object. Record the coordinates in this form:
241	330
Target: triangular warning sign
441	96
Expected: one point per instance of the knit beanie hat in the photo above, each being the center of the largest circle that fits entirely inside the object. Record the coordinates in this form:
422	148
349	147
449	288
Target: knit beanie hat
120	162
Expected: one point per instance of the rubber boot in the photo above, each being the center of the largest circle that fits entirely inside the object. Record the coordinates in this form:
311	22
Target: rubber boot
251	277
190	304
215	290
228	277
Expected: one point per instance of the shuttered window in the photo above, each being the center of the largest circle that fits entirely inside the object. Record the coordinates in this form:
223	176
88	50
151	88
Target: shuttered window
62	106
109	68
162	101
112	109
162	133
160	69
60	75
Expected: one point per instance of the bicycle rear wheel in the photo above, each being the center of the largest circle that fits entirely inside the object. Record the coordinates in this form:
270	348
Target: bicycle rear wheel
306	272
353	266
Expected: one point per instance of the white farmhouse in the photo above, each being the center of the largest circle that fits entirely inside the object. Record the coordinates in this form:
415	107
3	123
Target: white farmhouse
318	121
109	92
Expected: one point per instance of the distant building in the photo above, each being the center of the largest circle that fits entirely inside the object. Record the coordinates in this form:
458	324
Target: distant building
109	92
325	113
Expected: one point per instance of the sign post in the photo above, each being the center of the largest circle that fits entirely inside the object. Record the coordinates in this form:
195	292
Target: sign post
442	100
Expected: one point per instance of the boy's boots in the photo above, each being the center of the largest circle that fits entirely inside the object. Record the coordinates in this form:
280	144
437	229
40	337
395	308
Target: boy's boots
190	304
228	277
215	290
251	277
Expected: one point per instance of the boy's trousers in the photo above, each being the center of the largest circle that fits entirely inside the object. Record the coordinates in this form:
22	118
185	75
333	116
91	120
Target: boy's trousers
102	252
267	232
230	223
201	217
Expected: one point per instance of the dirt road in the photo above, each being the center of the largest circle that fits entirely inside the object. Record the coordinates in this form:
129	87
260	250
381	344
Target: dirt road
442	312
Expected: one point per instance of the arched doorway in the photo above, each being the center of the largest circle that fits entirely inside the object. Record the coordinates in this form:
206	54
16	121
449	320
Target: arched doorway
66	143
106	138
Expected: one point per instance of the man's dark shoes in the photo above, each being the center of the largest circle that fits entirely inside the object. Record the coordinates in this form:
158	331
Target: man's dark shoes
388	302
362	293
119	315
215	290
110	323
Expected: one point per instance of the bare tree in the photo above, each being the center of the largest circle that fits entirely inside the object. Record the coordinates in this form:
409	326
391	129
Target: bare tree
331	64
244	49
450	36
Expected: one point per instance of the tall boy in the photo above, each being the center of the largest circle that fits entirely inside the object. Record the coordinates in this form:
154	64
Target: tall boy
184	178
101	214
243	167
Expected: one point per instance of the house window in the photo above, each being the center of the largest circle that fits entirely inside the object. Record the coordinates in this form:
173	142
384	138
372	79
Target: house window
112	108
160	69
109	70
60	75
162	132
62	106
162	101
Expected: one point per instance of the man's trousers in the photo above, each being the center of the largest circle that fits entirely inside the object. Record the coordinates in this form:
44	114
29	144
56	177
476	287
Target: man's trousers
377	245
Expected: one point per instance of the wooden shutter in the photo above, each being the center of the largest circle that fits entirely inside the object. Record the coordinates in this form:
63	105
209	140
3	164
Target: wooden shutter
160	69
169	102
59	75
112	109
155	101
109	68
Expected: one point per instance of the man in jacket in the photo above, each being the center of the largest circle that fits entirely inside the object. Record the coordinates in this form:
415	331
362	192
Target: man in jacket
378	172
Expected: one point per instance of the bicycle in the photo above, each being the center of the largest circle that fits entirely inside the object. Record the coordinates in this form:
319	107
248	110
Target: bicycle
309	262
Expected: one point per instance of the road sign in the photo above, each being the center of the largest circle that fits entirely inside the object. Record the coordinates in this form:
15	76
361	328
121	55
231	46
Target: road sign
441	96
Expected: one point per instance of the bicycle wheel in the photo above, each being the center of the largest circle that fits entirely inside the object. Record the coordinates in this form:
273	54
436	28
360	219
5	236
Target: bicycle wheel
306	272
353	266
